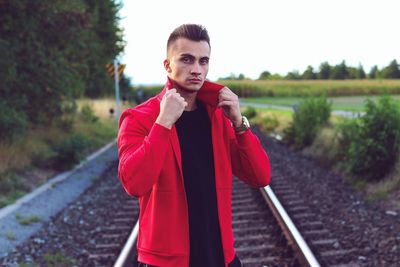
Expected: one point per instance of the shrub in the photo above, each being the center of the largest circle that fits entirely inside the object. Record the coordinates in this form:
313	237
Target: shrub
375	141
88	115
325	148
309	116
44	158
348	130
10	182
249	112
12	122
270	123
67	119
70	151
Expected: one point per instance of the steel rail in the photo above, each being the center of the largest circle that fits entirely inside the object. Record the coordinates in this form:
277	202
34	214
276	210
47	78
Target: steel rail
303	251
127	250
304	254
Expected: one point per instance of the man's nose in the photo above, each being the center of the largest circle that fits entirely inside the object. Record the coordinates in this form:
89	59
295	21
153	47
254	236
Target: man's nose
196	69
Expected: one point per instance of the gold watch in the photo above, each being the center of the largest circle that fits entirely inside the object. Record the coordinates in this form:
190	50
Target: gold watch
244	126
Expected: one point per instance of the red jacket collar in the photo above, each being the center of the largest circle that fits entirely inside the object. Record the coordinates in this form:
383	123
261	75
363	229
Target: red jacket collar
208	93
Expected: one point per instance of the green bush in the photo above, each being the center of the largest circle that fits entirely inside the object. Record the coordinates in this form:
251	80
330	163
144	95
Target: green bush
12	122
70	151
44	158
10	182
309	116
347	130
67	119
374	141
270	123
88	115
249	112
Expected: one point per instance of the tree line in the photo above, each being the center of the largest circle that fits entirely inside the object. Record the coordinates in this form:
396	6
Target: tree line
52	52
331	72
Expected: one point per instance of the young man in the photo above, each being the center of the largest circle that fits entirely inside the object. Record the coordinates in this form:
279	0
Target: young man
178	151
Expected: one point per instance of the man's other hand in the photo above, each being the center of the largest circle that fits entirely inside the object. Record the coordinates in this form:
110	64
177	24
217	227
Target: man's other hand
229	102
171	108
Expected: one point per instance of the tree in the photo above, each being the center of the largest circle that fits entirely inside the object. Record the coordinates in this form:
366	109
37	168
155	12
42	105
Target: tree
309	74
45	41
360	72
392	71
51	52
324	71
374	72
104	42
293	75
264	75
340	71
233	76
351	73
275	76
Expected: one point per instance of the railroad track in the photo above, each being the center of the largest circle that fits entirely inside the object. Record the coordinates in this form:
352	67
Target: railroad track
93	230
259	240
103	218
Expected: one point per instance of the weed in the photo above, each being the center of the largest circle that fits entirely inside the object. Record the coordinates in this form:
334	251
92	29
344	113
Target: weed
28	265
87	114
27	220
57	260
10	236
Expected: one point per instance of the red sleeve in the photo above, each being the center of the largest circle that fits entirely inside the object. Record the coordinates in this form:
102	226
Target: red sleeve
141	155
250	162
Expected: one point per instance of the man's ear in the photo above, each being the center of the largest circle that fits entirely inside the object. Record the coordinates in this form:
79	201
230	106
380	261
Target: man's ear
167	66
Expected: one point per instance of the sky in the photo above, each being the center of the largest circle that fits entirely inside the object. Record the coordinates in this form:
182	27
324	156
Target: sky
252	36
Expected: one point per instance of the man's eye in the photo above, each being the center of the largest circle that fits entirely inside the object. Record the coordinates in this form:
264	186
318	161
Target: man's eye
186	60
204	61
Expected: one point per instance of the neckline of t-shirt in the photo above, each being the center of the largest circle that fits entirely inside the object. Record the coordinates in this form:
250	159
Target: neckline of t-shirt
199	107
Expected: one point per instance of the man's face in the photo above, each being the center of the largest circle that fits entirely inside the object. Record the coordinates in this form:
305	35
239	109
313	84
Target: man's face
187	63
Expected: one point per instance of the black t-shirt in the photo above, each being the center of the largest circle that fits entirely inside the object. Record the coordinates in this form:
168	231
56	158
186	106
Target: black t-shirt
194	132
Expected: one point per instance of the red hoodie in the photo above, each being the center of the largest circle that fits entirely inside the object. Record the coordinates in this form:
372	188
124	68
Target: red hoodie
150	168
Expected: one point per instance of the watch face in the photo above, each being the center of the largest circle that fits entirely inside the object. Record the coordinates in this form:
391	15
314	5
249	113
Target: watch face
245	125
246	122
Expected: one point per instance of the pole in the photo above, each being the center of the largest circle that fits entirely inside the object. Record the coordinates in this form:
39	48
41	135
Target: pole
116	78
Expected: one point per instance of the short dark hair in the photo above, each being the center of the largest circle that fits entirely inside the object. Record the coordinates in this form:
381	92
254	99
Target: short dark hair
193	32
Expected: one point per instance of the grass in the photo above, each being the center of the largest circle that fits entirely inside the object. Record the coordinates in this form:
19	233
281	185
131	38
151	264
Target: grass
284	118
326	151
101	107
266	116
348	103
28	161
28	265
11	198
325	148
381	189
27	220
10	236
58	260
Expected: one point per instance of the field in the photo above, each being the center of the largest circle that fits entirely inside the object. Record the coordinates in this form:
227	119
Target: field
348	103
273	88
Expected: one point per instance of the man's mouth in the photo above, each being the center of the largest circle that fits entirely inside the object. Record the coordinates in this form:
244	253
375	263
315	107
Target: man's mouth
194	80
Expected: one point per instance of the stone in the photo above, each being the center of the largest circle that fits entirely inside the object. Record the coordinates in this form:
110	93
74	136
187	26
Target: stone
391	213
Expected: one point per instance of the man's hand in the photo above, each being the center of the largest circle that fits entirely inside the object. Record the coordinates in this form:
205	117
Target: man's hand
171	108
229	102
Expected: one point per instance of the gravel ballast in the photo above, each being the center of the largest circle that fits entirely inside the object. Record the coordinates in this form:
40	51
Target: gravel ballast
367	229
